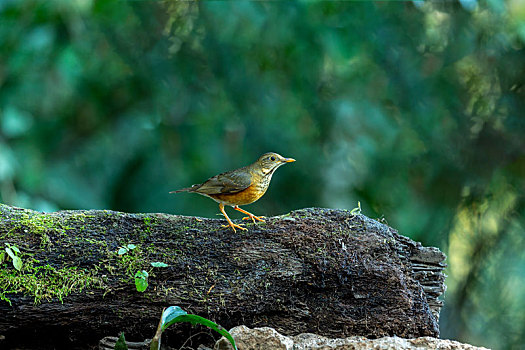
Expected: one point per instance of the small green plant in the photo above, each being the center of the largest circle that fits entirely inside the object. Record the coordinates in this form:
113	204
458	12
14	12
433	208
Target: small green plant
141	277
126	249
356	210
12	252
141	280
121	342
174	314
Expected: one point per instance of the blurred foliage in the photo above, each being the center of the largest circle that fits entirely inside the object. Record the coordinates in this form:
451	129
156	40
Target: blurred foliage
415	109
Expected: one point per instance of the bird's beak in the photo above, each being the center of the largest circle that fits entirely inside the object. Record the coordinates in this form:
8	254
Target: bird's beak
288	160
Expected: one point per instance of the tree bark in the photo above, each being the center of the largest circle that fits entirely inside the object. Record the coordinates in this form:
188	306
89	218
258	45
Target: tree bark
323	271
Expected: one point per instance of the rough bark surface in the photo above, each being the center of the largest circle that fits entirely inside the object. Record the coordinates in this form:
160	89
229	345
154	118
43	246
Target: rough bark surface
314	270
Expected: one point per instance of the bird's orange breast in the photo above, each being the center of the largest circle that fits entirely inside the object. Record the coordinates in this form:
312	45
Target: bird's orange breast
246	196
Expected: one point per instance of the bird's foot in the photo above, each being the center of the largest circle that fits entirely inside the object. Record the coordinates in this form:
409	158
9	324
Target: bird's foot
253	218
233	226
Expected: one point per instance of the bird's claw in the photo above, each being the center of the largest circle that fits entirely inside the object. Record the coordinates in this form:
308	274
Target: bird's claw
233	226
253	218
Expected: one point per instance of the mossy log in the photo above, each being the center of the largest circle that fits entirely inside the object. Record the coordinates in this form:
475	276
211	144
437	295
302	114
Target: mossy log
324	271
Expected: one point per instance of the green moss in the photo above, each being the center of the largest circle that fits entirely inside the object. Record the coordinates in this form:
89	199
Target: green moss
45	282
36	224
78	219
38	279
147	224
131	262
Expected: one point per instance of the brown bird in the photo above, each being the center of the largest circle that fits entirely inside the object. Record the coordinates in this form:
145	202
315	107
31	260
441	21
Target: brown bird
240	186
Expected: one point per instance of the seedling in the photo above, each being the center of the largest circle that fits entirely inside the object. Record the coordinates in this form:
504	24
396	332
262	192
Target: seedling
126	249
12	251
141	280
175	314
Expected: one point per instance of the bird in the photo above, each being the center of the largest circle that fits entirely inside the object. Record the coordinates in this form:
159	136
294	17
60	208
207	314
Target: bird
240	186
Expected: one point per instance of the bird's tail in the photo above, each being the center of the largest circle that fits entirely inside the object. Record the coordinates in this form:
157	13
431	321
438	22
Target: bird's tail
187	189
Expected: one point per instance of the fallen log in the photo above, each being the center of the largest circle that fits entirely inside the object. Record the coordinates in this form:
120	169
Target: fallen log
323	271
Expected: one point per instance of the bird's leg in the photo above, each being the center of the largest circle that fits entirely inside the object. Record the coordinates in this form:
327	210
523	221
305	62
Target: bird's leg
230	223
250	215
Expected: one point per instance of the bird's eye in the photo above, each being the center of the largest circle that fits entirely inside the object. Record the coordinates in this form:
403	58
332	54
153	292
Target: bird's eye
272	158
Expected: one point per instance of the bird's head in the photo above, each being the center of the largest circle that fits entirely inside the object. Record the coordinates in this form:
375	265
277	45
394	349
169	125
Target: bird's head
270	161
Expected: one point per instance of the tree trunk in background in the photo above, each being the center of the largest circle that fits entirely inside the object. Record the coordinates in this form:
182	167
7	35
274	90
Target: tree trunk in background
314	270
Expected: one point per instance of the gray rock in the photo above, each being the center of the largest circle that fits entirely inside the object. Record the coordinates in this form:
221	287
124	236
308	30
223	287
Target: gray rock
267	338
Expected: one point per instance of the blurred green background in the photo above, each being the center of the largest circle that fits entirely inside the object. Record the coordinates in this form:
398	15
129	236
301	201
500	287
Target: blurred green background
415	109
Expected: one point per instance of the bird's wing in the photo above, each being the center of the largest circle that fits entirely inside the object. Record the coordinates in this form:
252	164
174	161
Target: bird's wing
229	182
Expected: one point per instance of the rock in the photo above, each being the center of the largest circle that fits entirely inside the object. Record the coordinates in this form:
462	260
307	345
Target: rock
264	338
202	347
267	338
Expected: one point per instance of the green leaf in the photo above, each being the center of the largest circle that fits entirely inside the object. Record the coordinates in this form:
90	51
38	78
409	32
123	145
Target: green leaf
17	263
121	343
131	246
141	280
170	314
2	257
15	249
122	251
10	253
159	264
175	314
